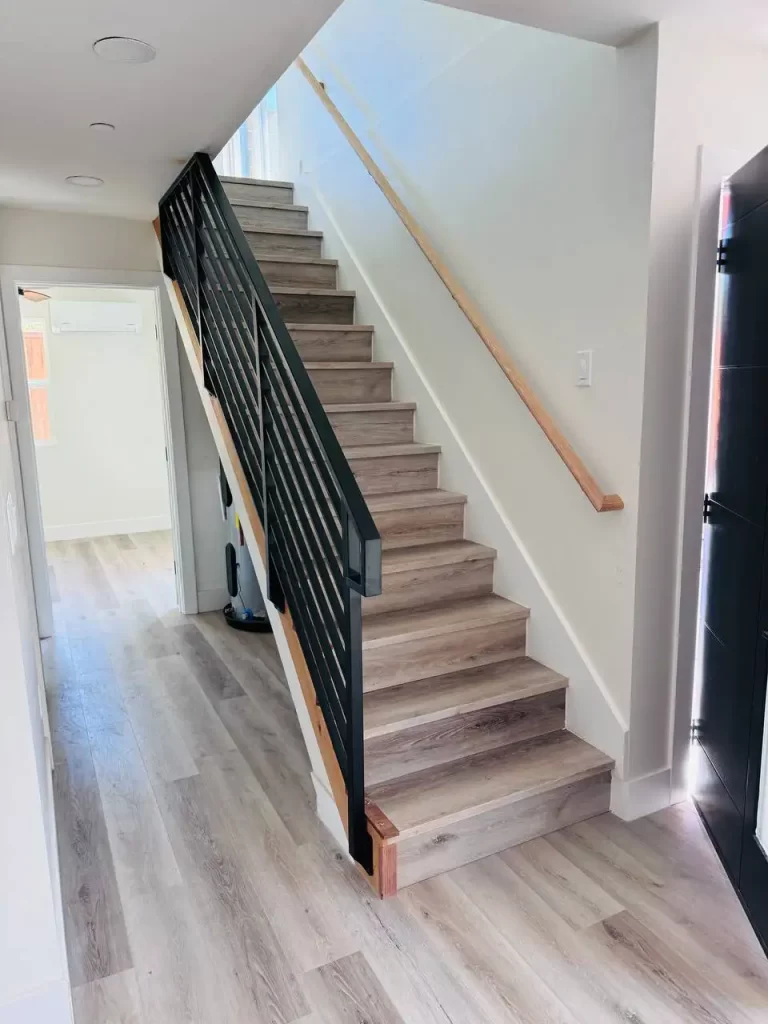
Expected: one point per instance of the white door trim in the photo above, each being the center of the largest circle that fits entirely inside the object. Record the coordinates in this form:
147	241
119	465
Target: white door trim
715	164
12	351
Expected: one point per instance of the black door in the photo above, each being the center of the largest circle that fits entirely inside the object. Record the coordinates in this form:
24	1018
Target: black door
734	636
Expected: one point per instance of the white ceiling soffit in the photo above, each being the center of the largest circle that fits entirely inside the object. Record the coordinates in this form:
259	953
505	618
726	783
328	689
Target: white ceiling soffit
616	21
215	60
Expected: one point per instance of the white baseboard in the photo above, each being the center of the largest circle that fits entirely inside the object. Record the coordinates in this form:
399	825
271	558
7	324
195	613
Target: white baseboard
107	528
51	1004
328	813
212	600
634	798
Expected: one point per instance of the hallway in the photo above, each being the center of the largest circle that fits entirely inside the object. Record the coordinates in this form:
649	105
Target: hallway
199	887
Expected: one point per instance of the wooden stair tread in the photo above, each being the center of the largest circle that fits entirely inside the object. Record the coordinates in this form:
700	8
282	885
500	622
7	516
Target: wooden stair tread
424	701
264	204
301	232
327	327
425	555
398	500
299	258
327	365
286	289
383	451
366	407
395	627
255	181
458	790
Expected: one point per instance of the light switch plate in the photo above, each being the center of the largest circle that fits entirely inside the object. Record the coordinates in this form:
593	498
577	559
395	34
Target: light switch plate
584	368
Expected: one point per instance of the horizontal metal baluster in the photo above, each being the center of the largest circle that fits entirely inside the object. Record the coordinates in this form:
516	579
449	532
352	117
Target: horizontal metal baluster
323	555
183	268
336	728
330	670
329	595
239	269
185	247
237	296
242	430
330	609
242	333
315	497
319	504
249	457
230	350
324	472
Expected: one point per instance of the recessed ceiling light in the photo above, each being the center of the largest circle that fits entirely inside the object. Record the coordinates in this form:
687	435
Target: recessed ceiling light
124	50
102	126
84	180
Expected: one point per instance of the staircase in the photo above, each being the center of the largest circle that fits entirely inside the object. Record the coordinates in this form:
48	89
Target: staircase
466	751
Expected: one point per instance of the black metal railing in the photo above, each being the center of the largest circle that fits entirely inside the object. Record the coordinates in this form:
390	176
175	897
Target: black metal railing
323	550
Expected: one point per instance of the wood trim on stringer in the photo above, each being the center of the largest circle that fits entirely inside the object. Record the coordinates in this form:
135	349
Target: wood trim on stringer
600	501
383	833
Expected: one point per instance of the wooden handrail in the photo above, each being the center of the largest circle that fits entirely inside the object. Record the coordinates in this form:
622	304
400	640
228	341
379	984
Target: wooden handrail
601	501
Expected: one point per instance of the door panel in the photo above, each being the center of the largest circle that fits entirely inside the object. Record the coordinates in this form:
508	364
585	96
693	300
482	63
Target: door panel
723	728
741	475
720	813
735	549
733	654
744	323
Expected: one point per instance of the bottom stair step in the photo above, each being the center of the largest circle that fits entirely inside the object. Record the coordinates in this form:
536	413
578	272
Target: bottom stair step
468	809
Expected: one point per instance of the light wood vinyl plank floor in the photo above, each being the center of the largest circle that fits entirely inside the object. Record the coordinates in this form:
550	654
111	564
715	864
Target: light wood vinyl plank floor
199	887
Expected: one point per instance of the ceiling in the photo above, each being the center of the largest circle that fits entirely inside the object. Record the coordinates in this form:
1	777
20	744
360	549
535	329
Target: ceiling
616	21
215	60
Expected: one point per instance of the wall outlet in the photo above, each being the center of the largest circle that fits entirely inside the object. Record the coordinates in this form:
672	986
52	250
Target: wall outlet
584	368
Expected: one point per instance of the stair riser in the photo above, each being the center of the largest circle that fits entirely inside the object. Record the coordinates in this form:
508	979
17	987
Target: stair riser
258	193
316	309
431	585
405	528
334	346
254	217
392	664
396	473
298	275
379	427
483	834
335	386
284	245
426	746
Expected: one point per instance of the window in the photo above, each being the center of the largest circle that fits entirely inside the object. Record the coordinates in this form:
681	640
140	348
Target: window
36	358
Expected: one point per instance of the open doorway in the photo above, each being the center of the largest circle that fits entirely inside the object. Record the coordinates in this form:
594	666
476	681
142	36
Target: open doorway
97	403
94	385
94	388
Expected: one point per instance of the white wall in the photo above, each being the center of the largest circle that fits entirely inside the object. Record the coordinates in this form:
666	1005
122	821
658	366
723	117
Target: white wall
104	471
34	988
526	158
209	528
711	92
558	180
42	238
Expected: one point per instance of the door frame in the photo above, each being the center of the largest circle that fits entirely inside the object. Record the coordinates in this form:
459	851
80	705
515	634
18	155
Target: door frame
12	351
714	165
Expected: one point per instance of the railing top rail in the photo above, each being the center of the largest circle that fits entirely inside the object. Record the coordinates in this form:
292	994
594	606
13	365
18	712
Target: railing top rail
349	490
601	501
